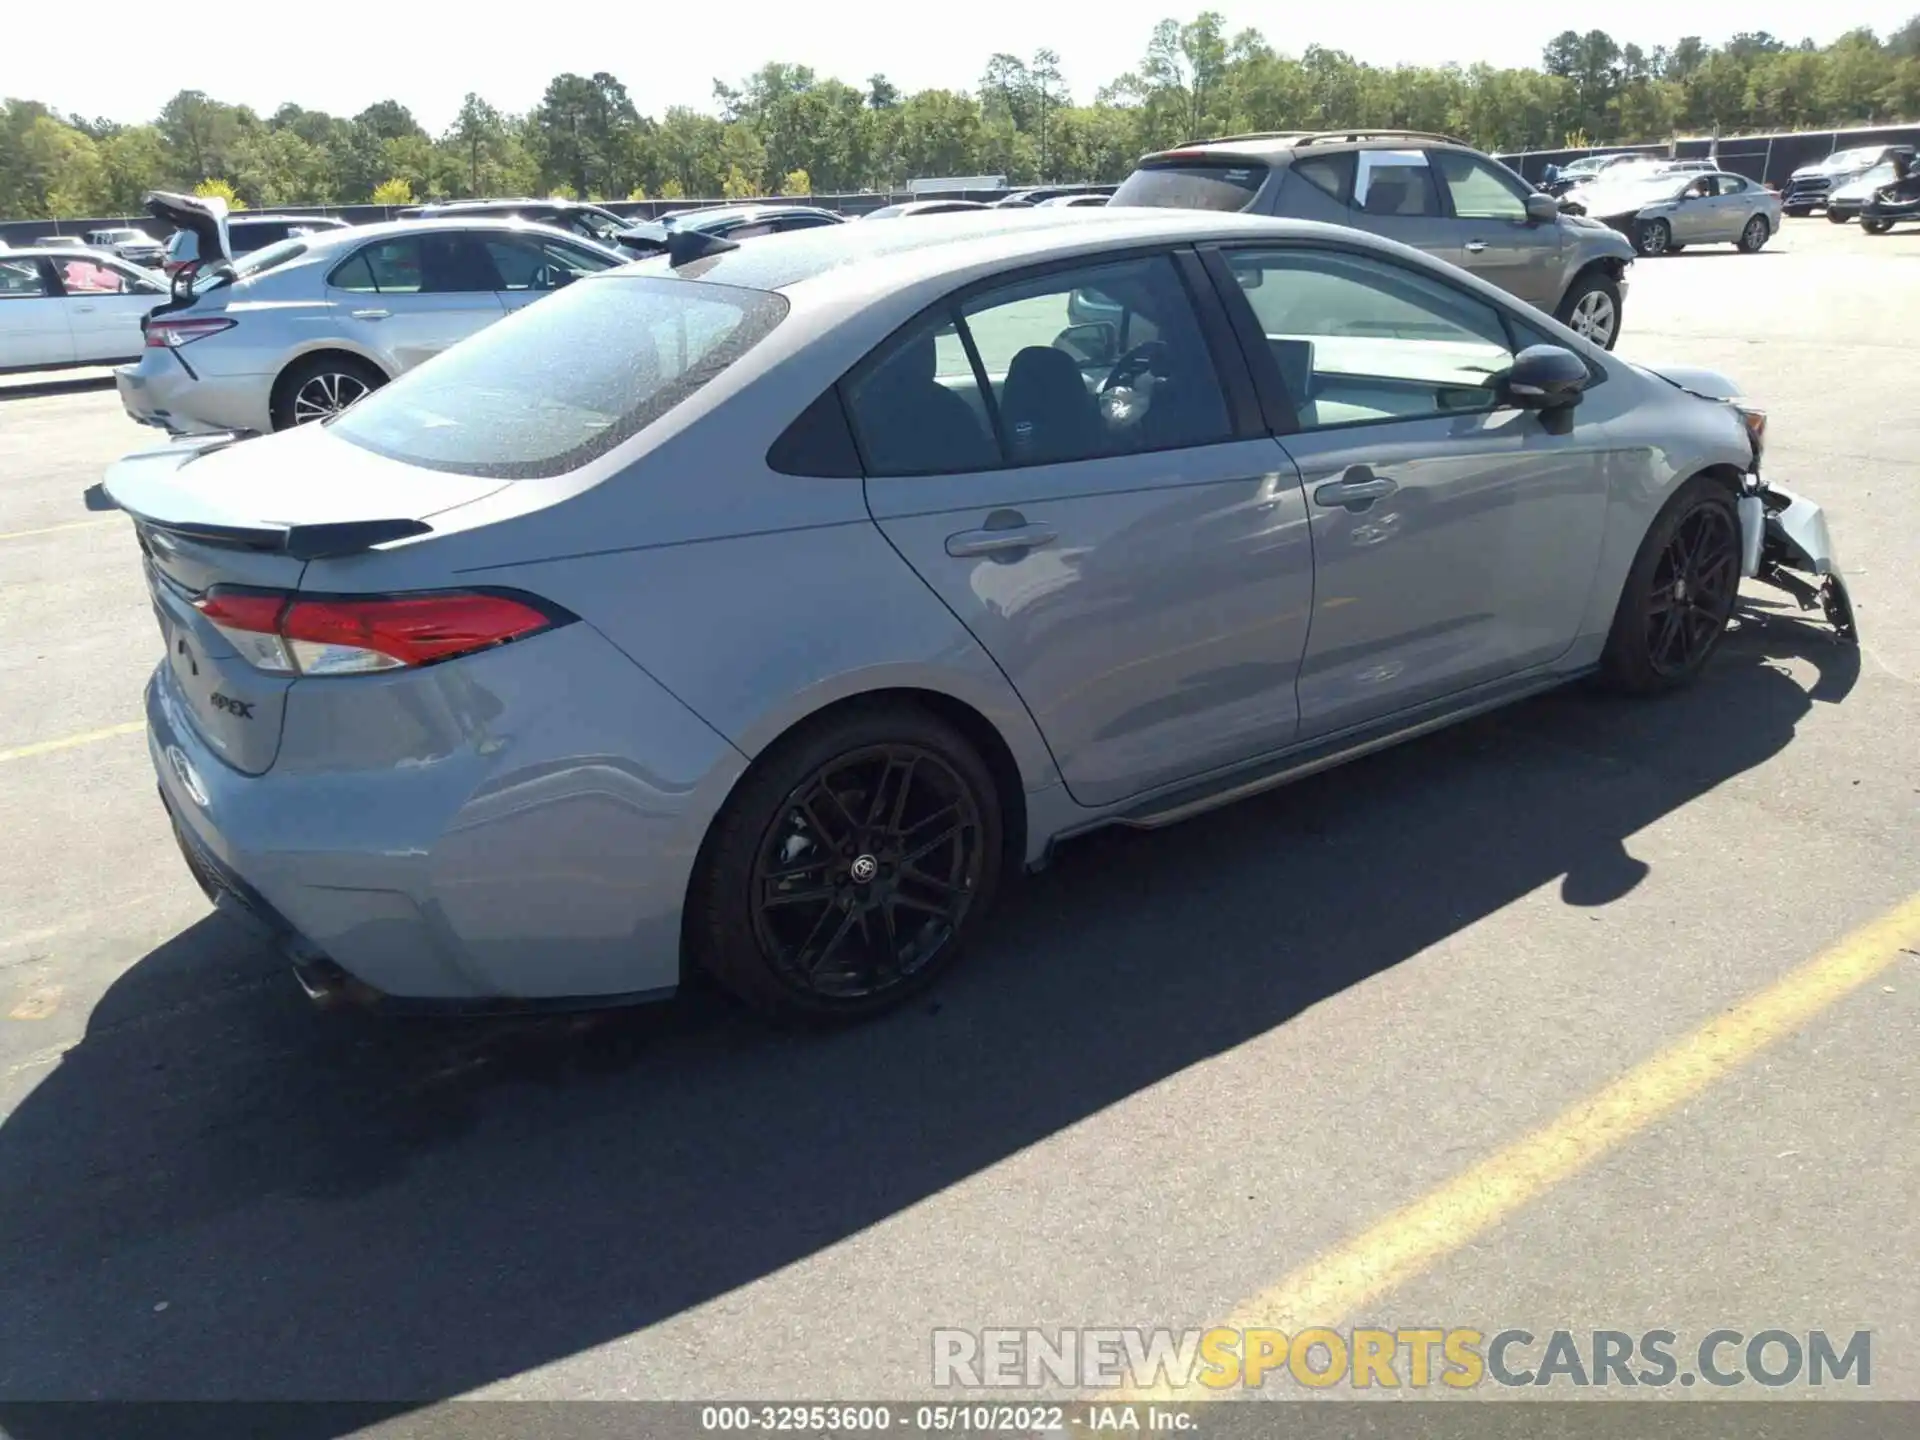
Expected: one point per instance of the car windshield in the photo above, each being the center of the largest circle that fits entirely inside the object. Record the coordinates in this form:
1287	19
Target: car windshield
561	382
1853	159
1192	186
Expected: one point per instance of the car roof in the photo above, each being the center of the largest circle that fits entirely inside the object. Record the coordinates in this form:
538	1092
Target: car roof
331	222
745	212
916	248
1270	145
486	224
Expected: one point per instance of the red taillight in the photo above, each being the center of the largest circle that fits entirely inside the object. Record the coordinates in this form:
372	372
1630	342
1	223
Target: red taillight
164	333
362	634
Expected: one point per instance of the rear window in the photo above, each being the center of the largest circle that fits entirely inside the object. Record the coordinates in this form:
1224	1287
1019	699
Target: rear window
1192	186
565	380
255	262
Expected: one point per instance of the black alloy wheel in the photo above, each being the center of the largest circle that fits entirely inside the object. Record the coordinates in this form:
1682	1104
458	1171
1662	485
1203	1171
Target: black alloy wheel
867	872
1692	591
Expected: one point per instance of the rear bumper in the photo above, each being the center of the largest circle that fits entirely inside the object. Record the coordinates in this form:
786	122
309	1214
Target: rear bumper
507	850
159	390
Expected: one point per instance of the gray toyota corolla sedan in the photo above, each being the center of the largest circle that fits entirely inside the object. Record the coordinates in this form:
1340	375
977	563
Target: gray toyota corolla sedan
758	608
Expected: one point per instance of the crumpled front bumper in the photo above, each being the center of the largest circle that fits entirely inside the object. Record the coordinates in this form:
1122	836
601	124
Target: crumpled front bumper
1786	544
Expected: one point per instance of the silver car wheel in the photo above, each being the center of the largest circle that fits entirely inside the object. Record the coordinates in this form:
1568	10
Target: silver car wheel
325	395
1755	235
1593	317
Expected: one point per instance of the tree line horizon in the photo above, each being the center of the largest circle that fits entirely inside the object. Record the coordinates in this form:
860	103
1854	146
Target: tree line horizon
786	130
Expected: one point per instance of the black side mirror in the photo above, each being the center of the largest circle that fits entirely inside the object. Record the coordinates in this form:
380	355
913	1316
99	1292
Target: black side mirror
1094	343
1544	377
1541	208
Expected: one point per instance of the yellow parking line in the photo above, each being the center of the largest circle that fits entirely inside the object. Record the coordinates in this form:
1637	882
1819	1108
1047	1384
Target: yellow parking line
50	529
1334	1286
67	742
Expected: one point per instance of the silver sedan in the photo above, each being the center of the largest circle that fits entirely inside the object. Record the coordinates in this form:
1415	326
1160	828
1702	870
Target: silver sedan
760	609
1665	212
301	329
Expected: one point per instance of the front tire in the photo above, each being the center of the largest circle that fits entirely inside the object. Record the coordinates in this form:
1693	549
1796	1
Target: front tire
1591	308
1653	238
849	866
1837	217
1755	235
1679	593
320	387
1799	212
1876	227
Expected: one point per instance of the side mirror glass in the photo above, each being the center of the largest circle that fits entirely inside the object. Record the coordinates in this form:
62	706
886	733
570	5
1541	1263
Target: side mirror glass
1094	343
1086	307
1542	207
1544	377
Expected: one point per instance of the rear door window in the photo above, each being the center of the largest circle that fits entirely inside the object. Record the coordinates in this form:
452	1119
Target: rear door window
388	267
1193	185
1395	182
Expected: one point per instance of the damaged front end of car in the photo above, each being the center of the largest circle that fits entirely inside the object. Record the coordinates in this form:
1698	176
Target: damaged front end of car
1784	541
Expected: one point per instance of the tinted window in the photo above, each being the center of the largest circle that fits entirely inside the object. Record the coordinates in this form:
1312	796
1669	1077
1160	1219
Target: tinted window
1395	182
1150	387
1359	339
1479	191
917	408
803	222
1193	185
1332	174
818	443
455	264
558	383
242	238
389	267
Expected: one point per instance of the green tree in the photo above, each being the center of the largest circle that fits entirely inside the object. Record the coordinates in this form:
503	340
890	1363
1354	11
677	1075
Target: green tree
135	162
396	191
796	182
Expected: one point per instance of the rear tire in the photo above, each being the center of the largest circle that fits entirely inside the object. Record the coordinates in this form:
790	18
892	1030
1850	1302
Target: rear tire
320	387
1591	307
822	895
1837	217
1755	235
1799	212
1679	593
1876	227
1653	238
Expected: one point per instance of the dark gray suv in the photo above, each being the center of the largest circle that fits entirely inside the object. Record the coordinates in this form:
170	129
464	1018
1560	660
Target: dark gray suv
1427	191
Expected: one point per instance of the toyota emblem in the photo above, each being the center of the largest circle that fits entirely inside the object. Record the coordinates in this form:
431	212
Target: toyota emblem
865	867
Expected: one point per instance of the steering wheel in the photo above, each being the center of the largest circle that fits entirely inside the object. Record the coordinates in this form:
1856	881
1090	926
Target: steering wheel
1147	358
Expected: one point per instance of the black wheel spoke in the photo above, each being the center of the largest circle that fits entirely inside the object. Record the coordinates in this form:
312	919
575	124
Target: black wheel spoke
849	918
819	894
1691	590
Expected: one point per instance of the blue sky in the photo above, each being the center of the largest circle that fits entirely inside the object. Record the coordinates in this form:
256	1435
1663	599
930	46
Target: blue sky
427	55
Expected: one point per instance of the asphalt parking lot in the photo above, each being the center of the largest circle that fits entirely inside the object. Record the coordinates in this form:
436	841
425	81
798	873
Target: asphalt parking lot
1282	1064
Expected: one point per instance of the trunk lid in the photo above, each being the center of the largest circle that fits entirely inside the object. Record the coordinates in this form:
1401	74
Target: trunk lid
252	514
202	216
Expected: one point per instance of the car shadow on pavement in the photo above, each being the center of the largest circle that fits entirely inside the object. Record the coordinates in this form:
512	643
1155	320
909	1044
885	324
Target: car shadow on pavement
219	1193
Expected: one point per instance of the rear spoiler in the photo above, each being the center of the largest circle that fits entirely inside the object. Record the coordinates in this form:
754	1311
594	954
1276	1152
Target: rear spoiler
301	542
